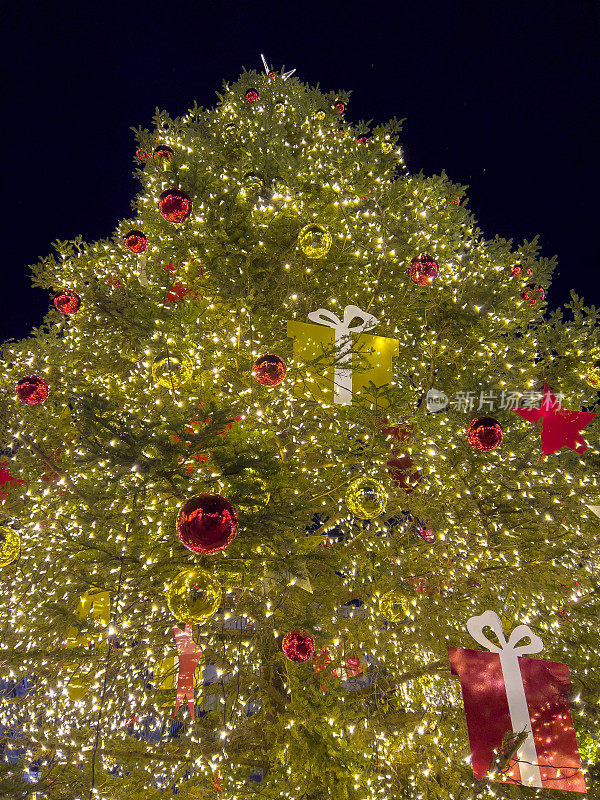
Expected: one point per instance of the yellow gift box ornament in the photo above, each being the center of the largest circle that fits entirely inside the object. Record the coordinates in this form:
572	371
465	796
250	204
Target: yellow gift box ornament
340	360
95	603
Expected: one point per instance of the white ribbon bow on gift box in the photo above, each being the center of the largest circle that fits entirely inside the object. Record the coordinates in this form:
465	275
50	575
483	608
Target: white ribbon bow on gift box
342	374
509	652
595	510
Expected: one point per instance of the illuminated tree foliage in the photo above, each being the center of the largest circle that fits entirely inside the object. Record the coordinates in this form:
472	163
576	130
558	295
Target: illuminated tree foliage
122	441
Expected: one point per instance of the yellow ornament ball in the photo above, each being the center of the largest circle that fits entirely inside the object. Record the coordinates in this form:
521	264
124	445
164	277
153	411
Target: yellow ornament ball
394	605
172	369
366	498
592	378
194	595
314	241
10	545
387	147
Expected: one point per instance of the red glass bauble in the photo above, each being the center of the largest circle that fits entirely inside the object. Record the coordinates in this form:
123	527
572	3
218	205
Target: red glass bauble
272	75
163	153
533	292
67	301
423	270
141	155
339	106
401	472
252	96
485	433
175	205
207	523
269	370
32	390
136	241
362	139
298	646
516	270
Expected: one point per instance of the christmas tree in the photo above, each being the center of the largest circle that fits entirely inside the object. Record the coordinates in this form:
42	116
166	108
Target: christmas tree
269	454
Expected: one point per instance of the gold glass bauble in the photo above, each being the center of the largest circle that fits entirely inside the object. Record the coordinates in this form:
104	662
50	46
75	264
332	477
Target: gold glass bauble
314	240
592	378
10	545
366	498
171	369
194	595
394	605
320	114
387	147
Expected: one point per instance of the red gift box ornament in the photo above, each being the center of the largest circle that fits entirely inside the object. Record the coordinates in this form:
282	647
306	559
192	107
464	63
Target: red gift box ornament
189	655
524	697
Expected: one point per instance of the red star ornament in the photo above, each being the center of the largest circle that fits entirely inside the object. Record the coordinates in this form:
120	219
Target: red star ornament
7	480
560	426
6	477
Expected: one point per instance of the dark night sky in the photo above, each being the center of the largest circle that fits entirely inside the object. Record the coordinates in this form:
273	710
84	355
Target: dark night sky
502	95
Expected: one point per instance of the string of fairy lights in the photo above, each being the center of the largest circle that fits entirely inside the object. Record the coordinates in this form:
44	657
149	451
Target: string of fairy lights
280	207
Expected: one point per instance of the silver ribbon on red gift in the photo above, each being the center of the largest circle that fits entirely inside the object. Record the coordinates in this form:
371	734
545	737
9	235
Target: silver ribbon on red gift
343	330
509	652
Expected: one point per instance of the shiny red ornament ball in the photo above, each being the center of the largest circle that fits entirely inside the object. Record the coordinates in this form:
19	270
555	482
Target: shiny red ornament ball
207	523
67	301
339	106
298	646
362	139
532	293
269	370
32	390
136	241
423	270
272	75
163	153
141	155
516	270
484	434
252	96
175	205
